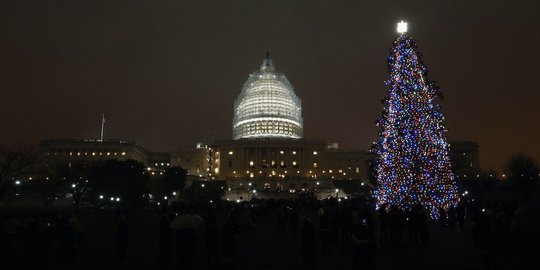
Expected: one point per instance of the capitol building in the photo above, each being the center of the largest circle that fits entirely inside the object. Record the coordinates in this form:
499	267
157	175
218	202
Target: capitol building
268	143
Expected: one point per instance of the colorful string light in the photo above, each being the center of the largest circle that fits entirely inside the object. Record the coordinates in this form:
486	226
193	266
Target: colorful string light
413	162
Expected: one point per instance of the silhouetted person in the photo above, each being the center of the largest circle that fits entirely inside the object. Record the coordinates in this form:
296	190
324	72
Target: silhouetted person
460	215
395	223
481	229
308	246
229	247
364	246
280	221
122	232
452	218
412	224
294	221
165	242
442	217
383	223
422	223
185	225
211	239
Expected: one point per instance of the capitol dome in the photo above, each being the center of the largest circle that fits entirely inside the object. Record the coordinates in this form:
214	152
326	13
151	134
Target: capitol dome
267	107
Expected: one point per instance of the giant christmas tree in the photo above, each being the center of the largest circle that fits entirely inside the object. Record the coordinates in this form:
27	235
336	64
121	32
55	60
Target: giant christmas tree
413	163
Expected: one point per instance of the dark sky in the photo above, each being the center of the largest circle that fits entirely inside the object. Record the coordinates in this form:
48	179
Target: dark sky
166	73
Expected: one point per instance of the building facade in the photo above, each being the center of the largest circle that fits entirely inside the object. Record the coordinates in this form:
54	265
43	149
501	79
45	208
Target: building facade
94	151
465	157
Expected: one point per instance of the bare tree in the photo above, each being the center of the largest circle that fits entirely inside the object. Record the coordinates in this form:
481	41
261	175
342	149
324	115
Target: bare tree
523	174
17	162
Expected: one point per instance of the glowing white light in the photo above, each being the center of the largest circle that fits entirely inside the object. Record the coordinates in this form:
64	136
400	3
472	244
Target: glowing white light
174	193
101	196
118	199
202	185
17	182
402	27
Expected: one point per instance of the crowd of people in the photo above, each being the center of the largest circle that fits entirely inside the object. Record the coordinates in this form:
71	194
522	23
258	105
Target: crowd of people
212	229
42	241
206	236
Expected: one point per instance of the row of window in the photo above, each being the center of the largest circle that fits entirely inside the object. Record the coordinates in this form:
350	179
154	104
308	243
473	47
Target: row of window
281	152
340	171
91	153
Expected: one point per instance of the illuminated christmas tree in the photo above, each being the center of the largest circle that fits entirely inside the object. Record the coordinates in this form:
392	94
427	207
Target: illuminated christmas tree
413	162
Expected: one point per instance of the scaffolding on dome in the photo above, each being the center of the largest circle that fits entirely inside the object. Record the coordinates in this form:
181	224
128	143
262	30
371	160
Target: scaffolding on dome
267	107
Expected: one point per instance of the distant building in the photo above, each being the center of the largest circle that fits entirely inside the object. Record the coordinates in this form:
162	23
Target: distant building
465	157
92	151
286	159
196	161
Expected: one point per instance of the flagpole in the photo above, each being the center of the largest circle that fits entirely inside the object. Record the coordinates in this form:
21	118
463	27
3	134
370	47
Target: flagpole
102	126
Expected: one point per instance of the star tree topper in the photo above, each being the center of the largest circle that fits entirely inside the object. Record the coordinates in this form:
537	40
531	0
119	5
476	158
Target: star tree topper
402	27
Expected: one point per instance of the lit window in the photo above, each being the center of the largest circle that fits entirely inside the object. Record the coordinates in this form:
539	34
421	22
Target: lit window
108	153
330	171
93	153
314	164
294	152
282	152
123	153
231	153
314	152
294	163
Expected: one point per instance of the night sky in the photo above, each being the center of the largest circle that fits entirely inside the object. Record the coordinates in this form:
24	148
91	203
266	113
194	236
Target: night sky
166	73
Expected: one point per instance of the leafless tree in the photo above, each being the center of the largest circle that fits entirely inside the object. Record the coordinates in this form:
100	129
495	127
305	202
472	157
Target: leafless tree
17	162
